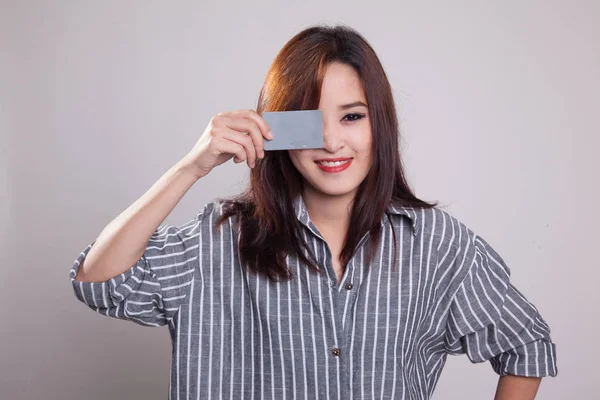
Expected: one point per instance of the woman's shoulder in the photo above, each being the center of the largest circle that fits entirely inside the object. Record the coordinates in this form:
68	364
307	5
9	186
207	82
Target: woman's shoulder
217	212
213	209
449	225
438	223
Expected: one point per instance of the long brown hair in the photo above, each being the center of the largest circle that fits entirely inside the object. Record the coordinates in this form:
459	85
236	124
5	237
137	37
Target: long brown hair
269	228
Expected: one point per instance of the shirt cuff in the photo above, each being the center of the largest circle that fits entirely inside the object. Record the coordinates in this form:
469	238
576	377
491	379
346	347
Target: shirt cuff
111	292
534	359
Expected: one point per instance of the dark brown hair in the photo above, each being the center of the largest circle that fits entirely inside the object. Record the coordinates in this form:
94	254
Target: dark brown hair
269	228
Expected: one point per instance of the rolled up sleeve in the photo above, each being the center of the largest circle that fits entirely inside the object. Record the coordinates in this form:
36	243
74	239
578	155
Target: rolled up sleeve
491	320
151	291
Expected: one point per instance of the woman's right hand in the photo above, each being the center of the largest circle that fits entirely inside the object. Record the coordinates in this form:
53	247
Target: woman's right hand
237	134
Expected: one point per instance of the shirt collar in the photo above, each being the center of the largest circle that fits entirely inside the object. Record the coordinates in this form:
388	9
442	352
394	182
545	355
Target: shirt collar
408	211
394	209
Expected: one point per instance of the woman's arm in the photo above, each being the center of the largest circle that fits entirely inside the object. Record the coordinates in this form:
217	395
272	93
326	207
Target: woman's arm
123	241
512	387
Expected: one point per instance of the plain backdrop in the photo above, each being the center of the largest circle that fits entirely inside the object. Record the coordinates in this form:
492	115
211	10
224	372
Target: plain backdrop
498	104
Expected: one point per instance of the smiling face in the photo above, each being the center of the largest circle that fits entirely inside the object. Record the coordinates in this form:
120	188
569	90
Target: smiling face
343	163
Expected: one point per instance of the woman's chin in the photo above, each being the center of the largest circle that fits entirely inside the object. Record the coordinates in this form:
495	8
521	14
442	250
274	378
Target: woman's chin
329	190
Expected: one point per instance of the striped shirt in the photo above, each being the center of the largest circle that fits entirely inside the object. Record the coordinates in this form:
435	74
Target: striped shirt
382	332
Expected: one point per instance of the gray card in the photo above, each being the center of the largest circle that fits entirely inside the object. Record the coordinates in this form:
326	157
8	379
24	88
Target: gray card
302	129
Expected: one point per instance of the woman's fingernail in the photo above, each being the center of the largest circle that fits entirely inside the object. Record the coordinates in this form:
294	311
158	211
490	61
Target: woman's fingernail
270	135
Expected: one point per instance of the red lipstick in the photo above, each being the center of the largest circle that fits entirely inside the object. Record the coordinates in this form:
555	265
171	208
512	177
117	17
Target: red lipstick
333	165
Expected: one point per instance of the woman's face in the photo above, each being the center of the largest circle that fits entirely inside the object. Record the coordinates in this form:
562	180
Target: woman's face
344	162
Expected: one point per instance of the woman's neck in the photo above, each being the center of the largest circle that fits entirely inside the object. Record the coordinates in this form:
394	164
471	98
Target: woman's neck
330	214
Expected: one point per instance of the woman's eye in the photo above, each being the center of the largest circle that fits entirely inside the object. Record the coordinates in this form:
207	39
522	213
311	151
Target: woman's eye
353	117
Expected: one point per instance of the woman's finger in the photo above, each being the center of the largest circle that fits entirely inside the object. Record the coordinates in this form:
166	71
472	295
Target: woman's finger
265	130
230	147
241	139
247	125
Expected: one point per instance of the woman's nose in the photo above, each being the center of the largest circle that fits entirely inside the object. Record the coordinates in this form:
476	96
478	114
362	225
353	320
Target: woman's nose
333	140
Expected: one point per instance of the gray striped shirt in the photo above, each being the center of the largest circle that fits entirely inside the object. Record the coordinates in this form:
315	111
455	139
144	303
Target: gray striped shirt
380	333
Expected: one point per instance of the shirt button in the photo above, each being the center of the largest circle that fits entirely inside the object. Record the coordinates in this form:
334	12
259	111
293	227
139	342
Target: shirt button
335	351
349	286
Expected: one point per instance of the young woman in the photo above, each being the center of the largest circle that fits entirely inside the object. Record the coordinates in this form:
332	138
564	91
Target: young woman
328	278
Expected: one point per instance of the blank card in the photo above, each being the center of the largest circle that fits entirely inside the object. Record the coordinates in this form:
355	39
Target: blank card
292	130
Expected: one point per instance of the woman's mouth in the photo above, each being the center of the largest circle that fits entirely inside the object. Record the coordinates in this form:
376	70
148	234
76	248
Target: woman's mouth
333	165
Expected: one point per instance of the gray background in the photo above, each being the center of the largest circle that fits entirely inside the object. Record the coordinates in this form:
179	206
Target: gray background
498	102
